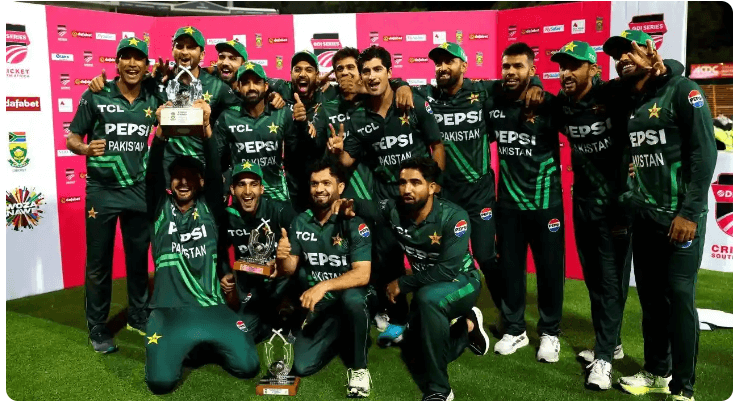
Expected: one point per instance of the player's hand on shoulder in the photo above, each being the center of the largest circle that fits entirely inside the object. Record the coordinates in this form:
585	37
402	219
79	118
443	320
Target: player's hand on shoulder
276	100
404	98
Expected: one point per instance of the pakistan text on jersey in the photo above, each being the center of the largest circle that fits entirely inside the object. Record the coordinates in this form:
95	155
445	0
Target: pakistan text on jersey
457	136
264	161
323	276
126	146
593	147
193	252
514	151
648	160
394	159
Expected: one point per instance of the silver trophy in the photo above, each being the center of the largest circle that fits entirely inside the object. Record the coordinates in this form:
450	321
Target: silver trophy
182	119
279	358
261	246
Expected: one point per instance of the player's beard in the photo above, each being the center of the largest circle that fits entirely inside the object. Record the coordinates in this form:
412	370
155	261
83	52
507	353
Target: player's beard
319	206
447	83
412	207
253	97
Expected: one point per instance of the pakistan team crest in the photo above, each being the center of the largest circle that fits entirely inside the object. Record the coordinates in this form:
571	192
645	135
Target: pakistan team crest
18	150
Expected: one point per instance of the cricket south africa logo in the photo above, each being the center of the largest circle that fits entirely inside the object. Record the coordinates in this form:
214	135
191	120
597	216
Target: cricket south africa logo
18	150
325	46
651	24
23	208
722	189
16	43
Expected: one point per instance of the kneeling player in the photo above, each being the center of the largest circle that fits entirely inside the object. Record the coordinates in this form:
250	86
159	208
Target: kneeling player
334	255
188	309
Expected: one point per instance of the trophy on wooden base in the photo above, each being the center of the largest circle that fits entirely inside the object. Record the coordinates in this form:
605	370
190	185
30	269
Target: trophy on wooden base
261	252
279	356
182	119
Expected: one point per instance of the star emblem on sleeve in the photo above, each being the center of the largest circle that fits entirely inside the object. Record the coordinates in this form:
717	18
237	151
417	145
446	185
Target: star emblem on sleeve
435	238
404	119
148	112
133	42
654	111
189	30
207	97
337	240
153	339
474	97
273	128
92	214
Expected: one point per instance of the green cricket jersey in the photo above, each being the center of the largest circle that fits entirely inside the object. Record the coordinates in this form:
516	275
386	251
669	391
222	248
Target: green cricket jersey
286	90
268	140
270	214
328	251
383	143
673	148
528	151
462	125
126	127
220	96
438	249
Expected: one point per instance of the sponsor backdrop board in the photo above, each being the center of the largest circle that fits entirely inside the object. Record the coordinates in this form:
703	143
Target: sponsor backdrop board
268	39
81	44
718	246
33	260
324	34
546	29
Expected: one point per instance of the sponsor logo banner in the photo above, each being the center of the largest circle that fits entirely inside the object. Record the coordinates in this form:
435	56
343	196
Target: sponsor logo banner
439	37
64	153
106	36
215	41
527	31
65	105
88	56
578	26
278	40
128	34
107	59
81	34
13	103
418	59
553	28
711	70
387	38
551	75
416	82
62	57
262	62
479	36
23	208
71	199
416	38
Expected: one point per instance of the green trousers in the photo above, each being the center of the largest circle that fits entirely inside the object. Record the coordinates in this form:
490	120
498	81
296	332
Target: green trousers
260	299
103	209
666	279
430	344
174	332
341	327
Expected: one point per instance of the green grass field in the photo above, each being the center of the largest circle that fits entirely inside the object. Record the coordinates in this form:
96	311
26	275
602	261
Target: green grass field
48	357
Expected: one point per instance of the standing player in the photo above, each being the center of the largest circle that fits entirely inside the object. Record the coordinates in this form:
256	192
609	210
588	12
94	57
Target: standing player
529	205
434	234
469	179
188	309
230	56
250	210
257	133
117	123
674	154
334	254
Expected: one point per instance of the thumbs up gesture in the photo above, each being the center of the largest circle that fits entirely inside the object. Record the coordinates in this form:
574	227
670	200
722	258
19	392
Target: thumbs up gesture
299	110
336	142
98	83
284	246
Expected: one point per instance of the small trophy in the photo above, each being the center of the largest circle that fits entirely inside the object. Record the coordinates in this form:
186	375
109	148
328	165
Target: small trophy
261	252
182	119
279	356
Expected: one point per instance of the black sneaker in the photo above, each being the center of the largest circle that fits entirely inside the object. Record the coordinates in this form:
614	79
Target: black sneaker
137	326
478	339
440	396
102	340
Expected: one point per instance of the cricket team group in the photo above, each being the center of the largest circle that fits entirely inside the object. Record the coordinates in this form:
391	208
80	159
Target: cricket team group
348	177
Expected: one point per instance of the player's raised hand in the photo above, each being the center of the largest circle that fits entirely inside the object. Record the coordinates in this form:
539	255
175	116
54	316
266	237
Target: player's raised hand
404	98
299	110
648	58
284	246
312	130
95	148
344	207
98	83
336	142
348	84
323	79
163	70
276	100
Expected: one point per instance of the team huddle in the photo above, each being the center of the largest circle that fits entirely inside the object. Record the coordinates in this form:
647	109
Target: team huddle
351	178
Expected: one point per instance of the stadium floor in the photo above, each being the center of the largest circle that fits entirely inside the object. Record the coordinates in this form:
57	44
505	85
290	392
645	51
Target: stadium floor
48	357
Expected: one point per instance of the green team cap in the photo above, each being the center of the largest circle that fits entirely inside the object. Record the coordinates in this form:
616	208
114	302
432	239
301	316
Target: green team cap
192	32
615	46
578	50
135	43
448	47
236	45
246	167
251	67
304	55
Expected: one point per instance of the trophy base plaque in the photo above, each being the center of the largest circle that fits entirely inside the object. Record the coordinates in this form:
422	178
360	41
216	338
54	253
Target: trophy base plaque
182	121
259	269
270	385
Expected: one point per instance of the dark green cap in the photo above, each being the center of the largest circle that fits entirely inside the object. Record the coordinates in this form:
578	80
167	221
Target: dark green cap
304	55
449	47
578	50
135	43
246	167
192	32
251	67
615	46
236	45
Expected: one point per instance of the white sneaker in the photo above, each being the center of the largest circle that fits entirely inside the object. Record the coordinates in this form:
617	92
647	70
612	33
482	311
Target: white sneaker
644	382
358	383
440	397
549	349
381	321
589	355
509	344
600	374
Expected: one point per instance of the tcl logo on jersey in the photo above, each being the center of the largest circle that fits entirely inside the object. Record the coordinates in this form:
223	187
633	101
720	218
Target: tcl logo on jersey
508	137
390	141
305	236
339	118
554	225
240	128
257	146
239	233
470	117
127	129
81	34
321	259
195	234
497	114
368	128
650	137
581	131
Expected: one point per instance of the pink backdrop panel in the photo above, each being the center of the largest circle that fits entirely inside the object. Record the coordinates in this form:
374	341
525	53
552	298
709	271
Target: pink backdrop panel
546	29
81	44
266	38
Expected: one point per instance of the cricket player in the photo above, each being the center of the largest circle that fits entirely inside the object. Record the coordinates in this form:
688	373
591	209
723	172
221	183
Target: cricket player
252	211
434	234
117	123
530	208
333	254
188	308
673	151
